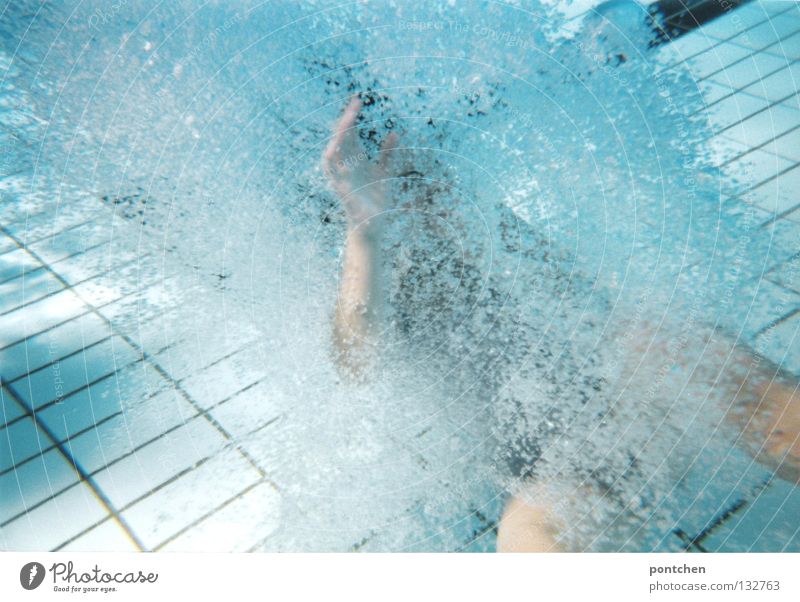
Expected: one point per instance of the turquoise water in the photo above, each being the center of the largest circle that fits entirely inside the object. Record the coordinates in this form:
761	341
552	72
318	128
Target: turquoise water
554	205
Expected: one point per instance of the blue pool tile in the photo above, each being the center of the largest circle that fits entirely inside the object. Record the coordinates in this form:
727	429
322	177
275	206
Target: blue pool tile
15	263
55	522
30	320
11	408
34	482
74	372
40	350
27	288
767	522
86	408
136	425
21	441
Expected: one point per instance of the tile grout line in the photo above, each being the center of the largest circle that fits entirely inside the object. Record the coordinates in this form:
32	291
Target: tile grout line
83	477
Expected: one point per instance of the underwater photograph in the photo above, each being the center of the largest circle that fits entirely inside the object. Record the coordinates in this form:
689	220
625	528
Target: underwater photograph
390	276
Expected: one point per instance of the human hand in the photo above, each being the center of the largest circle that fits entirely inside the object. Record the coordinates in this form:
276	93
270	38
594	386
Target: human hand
359	183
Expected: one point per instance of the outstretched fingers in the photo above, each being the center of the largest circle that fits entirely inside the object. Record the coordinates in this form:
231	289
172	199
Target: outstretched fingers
344	139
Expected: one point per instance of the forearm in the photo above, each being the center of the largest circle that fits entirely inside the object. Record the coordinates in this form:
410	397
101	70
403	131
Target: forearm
357	307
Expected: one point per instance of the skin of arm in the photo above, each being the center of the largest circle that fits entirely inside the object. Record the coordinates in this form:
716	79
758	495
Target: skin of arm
361	188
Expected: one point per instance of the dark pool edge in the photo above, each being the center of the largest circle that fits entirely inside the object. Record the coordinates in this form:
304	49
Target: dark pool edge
671	19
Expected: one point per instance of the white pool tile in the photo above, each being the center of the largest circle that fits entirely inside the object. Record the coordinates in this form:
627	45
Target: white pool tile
188	499
32	319
108	536
750	70
34	482
55	216
27	288
752	169
774	7
690	44
723	149
7	244
765	126
788	48
716	59
92	405
239	526
67	243
249	410
778	195
224	378
94	262
787	145
136	425
768	33
49	525
733	109
713	92
190	357
778	85
42	349
15	263
156	463
74	372
21	441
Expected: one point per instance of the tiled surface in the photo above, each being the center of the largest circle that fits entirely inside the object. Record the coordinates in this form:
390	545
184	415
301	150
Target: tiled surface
101	446
118	433
747	72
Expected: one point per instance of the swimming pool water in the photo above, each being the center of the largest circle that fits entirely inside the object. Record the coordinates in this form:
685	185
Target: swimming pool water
556	197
